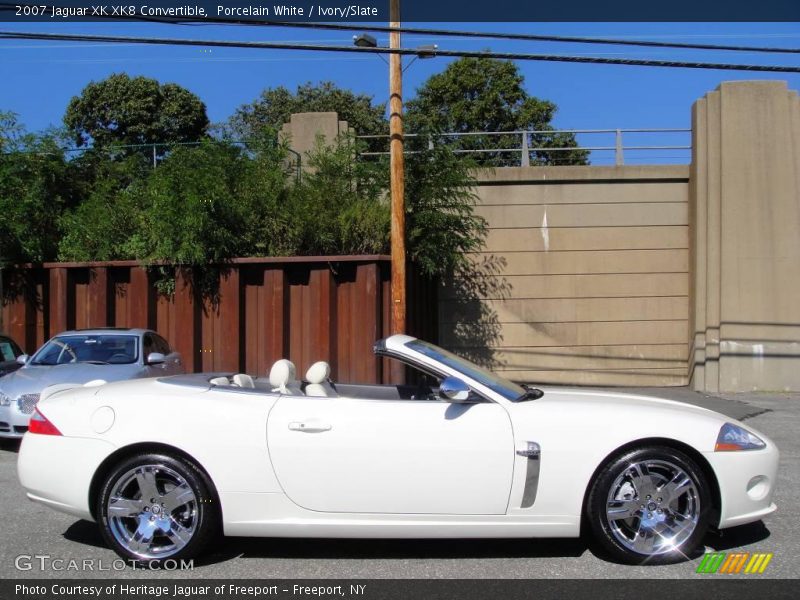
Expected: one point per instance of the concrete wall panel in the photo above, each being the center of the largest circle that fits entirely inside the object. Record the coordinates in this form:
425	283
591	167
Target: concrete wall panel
556	310
592	262
746	270
581	334
519	216
584	286
588	278
535	239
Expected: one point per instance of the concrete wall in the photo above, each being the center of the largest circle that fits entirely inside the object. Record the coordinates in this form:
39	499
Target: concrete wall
584	277
745	214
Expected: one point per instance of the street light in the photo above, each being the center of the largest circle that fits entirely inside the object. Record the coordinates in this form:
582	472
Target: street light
365	40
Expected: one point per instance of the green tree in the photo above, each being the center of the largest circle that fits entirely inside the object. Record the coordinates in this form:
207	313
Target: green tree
275	106
340	205
486	94
192	214
101	226
441	224
34	187
122	110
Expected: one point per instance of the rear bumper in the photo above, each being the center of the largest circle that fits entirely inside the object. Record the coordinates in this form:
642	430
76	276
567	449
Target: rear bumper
746	483
58	471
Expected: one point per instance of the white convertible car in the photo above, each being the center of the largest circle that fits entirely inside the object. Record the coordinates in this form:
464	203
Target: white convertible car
165	464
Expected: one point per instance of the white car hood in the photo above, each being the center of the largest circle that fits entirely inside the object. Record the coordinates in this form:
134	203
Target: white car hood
577	397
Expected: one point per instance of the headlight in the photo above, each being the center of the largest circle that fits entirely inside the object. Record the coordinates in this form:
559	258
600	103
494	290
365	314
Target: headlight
732	437
4	400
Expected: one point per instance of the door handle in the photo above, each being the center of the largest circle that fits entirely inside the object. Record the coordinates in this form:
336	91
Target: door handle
309	426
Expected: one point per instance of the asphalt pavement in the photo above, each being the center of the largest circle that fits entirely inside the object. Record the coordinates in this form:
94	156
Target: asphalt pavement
32	531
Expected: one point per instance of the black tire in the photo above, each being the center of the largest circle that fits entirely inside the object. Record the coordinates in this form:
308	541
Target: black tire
176	532
654	515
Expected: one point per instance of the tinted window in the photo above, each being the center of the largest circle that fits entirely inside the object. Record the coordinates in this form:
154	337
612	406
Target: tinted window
8	349
105	348
161	345
149	345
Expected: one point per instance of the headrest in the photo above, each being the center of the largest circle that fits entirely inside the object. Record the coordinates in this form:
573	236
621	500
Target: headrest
243	381
318	372
282	373
219	381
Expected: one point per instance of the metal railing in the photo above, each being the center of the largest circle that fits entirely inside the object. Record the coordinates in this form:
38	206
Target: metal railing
527	147
153	149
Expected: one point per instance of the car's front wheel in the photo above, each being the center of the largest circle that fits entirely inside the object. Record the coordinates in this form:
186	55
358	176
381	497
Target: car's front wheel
154	507
650	506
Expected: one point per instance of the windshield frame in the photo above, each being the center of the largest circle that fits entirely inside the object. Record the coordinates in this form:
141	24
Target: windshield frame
63	340
505	388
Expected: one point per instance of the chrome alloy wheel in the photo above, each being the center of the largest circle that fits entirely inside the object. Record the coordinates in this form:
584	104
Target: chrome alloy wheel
152	511
653	507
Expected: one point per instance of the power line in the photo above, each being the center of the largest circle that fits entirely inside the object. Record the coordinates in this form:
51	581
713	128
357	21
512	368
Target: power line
401	51
459	33
506	36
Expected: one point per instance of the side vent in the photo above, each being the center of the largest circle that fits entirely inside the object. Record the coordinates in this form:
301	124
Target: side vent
533	453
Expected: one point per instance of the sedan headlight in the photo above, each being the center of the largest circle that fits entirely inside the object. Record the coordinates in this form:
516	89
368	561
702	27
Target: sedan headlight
732	437
4	400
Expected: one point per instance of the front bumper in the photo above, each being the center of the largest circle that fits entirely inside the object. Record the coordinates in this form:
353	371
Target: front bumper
746	483
13	424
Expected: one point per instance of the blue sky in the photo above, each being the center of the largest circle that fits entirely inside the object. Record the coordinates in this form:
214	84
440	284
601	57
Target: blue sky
39	78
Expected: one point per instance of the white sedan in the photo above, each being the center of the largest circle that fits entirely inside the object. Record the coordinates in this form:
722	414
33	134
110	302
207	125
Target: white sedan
165	464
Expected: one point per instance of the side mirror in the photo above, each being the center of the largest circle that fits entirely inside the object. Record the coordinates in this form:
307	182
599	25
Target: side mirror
156	358
23	359
452	389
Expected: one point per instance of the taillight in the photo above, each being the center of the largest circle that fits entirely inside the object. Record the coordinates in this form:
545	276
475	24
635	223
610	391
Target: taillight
39	424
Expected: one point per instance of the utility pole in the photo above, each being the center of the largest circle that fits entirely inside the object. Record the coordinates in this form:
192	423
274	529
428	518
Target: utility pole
397	175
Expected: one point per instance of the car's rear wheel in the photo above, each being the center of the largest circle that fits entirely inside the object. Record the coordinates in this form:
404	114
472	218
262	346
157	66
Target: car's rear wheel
154	507
650	506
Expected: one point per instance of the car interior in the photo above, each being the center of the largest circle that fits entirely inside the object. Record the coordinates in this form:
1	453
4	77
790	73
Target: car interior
317	383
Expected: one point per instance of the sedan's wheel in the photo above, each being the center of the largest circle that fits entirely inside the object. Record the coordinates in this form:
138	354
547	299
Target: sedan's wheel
650	505
154	507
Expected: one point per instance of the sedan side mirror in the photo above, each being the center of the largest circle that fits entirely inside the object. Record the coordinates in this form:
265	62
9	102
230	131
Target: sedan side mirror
156	358
452	389
23	359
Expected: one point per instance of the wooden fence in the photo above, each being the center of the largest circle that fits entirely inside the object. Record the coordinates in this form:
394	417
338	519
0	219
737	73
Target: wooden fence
306	309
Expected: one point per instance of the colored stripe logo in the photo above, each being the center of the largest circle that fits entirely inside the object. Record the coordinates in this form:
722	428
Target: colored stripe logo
734	563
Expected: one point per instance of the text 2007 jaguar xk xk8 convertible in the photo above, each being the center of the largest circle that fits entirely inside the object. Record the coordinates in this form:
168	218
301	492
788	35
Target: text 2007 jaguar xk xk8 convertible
165	464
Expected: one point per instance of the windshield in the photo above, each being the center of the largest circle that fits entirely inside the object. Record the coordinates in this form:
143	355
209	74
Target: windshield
508	389
103	349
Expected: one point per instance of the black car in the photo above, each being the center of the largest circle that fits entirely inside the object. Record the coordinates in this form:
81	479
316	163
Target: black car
9	351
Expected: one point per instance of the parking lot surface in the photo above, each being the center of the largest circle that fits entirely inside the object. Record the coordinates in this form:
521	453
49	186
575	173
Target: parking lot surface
31	531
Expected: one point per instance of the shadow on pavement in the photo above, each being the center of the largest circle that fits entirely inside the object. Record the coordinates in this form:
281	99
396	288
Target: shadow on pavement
9	445
85	532
728	539
225	549
392	549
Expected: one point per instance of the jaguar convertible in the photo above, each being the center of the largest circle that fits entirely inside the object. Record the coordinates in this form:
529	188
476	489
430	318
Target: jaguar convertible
164	465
